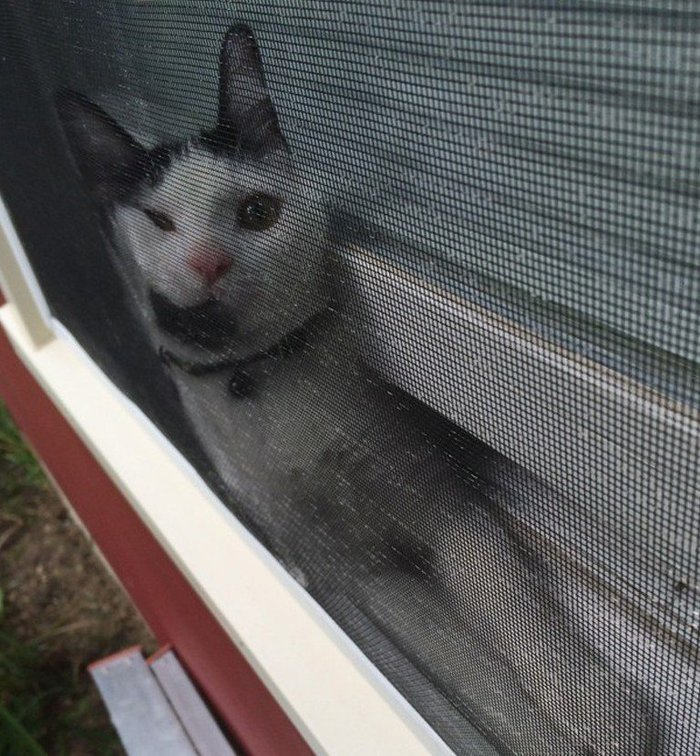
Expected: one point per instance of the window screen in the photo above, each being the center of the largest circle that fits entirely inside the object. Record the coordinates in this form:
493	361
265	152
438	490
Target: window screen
232	207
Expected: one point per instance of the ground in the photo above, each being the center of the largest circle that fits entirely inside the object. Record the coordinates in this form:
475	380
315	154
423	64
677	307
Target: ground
60	609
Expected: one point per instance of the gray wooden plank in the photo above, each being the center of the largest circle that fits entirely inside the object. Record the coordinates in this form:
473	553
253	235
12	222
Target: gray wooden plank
138	707
188	705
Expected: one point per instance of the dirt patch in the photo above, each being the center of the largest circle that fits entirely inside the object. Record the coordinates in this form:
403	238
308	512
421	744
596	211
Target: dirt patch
61	610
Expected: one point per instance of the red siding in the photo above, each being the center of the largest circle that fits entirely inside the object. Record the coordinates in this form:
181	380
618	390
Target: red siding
167	601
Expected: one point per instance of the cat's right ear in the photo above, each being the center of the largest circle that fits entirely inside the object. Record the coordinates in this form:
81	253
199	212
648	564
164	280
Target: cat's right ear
111	161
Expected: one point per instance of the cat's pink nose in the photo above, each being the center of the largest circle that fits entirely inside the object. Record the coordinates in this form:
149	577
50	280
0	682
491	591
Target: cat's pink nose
211	263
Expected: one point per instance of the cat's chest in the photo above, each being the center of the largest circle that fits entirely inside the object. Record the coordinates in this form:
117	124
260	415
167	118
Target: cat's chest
301	408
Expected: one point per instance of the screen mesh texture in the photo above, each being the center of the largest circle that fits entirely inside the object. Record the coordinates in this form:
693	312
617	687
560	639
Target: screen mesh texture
415	286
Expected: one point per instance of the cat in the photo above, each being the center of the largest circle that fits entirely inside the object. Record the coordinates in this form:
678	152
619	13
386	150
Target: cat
367	496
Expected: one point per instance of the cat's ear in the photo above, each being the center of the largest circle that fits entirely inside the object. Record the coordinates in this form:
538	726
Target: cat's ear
111	161
246	112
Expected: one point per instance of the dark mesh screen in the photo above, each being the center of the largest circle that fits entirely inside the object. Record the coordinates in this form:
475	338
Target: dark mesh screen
415	287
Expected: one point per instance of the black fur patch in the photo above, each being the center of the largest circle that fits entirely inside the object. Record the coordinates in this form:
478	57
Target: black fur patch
220	141
206	325
161	157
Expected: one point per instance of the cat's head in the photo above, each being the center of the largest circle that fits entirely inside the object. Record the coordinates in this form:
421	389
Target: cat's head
224	240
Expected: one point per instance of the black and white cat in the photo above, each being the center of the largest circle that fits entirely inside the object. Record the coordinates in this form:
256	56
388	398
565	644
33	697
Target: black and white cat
362	492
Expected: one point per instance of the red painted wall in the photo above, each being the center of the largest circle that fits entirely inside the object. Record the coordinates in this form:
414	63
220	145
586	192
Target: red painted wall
167	601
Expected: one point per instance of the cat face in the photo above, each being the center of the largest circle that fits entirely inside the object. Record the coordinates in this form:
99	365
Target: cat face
222	238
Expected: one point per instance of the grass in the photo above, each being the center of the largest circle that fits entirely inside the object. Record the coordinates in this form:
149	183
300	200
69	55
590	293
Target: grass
19	469
44	701
20	699
21	691
49	632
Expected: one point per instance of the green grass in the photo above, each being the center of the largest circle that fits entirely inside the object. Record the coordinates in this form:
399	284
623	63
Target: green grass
44	701
19	469
18	702
19	695
47	703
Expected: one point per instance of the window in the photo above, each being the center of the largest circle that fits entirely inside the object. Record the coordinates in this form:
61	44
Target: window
480	459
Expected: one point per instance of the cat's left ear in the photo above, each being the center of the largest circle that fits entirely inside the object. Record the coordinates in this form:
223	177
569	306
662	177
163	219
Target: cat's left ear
246	113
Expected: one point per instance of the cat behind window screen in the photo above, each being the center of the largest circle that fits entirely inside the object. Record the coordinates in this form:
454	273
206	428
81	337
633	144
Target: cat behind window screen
363	493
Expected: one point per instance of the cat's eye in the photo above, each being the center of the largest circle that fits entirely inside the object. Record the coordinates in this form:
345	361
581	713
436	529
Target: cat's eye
162	220
259	212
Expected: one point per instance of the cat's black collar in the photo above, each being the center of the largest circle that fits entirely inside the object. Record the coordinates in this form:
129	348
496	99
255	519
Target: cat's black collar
241	383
